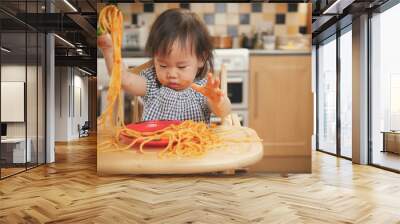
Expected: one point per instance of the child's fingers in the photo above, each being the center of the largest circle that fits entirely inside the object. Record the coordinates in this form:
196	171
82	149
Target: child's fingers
198	88
216	83
209	79
217	95
104	41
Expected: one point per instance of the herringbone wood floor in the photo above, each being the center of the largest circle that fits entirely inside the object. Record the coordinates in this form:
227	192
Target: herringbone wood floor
69	191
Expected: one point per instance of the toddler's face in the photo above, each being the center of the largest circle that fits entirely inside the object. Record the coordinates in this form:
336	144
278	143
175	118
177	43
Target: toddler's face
178	69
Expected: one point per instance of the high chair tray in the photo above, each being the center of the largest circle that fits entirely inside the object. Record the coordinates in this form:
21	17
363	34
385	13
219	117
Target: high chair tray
234	156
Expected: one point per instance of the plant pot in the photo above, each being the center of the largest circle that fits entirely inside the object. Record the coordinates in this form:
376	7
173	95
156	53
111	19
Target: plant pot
222	41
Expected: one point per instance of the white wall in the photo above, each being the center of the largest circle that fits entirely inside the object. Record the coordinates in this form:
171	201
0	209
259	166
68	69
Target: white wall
314	91
80	88
61	103
70	83
14	73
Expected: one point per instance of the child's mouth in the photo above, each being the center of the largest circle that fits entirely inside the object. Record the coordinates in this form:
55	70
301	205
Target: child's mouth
173	85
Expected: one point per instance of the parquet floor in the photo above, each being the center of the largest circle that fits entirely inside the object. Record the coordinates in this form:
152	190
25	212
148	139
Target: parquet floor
387	159
9	171
69	191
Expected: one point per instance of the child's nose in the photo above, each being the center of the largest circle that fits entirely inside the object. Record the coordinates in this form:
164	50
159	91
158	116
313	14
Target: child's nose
171	73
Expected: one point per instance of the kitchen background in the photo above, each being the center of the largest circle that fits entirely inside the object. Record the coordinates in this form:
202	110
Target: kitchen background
234	25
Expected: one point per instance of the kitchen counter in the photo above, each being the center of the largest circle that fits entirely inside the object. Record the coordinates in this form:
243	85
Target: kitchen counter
136	54
127	54
278	52
133	54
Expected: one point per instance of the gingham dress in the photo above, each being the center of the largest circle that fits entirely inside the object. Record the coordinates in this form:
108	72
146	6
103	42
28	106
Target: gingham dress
163	103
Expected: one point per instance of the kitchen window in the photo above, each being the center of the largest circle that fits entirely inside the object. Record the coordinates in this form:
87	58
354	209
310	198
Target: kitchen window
23	82
385	89
334	94
326	135
346	92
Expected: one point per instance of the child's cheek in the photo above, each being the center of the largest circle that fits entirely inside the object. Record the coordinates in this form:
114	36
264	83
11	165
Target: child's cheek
162	78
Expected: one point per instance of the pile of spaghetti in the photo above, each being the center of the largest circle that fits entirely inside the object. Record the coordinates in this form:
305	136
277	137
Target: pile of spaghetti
186	139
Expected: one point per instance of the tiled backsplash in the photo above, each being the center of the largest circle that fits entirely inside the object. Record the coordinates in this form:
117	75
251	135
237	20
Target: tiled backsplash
224	19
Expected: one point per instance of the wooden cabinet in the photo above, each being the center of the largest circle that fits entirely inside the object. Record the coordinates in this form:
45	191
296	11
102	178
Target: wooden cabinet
391	142
281	111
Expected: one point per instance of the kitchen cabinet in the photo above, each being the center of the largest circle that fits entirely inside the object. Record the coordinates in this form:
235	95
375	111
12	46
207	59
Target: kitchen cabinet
281	110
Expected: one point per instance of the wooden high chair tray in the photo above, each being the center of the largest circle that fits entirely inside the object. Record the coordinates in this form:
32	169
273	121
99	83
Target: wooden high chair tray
234	156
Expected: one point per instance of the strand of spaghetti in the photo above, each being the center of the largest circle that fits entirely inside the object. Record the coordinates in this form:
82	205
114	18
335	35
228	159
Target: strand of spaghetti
104	144
172	139
132	144
170	142
198	150
143	143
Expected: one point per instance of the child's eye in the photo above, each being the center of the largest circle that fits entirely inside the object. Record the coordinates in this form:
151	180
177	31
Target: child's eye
182	67
163	66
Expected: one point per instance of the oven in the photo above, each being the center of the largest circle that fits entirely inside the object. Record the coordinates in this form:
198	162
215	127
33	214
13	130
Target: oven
237	90
236	62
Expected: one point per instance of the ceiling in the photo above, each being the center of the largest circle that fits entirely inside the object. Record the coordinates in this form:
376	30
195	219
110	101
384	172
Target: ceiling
23	23
329	17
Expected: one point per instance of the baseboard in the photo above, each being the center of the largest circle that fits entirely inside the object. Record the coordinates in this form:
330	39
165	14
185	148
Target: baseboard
282	164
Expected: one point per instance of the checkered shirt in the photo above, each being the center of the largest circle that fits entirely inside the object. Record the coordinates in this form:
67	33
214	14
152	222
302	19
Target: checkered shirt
163	103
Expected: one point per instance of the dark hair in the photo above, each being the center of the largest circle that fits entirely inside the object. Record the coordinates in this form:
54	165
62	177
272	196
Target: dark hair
182	25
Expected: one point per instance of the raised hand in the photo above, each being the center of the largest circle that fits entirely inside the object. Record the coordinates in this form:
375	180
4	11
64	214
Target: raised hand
104	41
211	90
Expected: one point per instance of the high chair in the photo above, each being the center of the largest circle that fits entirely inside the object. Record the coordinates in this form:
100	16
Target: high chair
137	101
231	119
227	161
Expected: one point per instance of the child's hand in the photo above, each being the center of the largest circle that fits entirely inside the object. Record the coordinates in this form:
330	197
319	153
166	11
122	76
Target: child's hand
211	90
104	41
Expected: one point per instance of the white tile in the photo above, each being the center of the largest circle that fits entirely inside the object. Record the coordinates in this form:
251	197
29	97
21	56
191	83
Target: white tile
211	30
233	19
220	30
246	29
256	18
269	7
236	42
232	7
220	19
292	19
280	30
302	8
197	7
